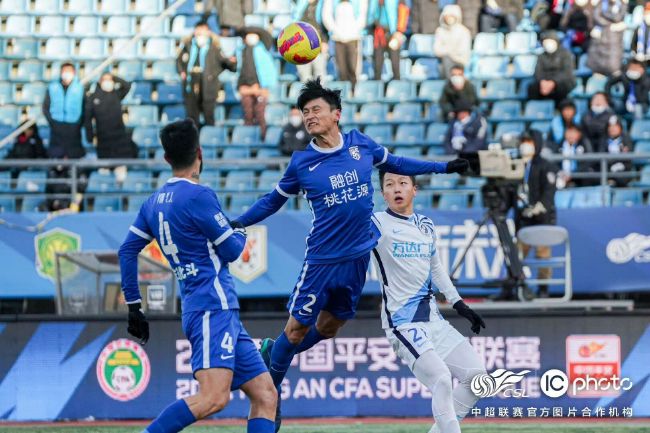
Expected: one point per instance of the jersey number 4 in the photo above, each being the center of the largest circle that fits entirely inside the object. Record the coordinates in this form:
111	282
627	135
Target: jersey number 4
166	243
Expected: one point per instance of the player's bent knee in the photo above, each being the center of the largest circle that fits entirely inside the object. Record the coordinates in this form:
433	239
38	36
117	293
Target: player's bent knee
266	397
213	402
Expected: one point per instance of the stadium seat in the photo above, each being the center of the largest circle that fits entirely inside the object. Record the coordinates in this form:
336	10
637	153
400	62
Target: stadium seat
410	152
42	7
453	201
140	93
230	45
57	49
542	126
520	42
421	45
235	115
131	70
13	6
276	114
146	137
119	25
5	68
369	91
53	25
583	70
425	69
524	65
31	181
81	7
595	83
6	93
152	26
241	180
431	90
344	86
158	49
268	180
499	89
164	70
213	136
19	26
373	112
32	94
5	181
135	202
240	203
348	113
642	146
505	110
408	112
627	197
143	115
268	152
123	49
487	44
34	203
172	113
147	7
107	203
436	133
169	93
272	136
114	7
444	181
9	115
84	26
246	135
410	134
92	48
137	181
490	67
640	130
7	204
645	177
23	48
539	110
381	134
98	182
511	128
588	197
399	91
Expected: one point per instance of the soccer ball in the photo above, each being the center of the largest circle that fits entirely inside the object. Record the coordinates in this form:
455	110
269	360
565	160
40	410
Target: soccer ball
299	43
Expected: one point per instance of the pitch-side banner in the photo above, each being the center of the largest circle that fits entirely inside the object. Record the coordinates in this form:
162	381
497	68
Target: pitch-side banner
583	366
610	249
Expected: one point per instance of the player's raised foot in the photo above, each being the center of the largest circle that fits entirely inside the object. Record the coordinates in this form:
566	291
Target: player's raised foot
265	350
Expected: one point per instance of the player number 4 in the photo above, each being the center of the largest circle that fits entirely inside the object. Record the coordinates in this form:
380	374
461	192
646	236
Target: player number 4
167	244
226	343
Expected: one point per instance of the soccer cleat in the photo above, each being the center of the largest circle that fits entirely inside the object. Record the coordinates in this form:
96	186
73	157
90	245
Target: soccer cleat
265	351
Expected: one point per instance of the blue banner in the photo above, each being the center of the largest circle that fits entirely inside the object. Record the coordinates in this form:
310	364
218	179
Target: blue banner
610	249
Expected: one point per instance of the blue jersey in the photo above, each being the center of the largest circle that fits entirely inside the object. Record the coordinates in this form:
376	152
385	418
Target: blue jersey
195	237
337	183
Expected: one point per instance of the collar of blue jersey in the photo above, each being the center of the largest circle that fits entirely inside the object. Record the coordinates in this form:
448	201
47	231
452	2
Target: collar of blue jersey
178	179
317	148
396	215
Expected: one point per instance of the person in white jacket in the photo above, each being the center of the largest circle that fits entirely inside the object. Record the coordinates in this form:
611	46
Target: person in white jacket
345	20
453	41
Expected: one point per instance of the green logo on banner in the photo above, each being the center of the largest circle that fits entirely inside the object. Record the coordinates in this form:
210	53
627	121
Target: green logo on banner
49	243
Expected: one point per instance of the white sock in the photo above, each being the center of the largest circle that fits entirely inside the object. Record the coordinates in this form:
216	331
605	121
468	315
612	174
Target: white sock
464	363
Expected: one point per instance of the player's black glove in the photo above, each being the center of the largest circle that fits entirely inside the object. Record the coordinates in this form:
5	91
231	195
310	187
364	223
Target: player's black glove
238	227
138	325
477	322
458	165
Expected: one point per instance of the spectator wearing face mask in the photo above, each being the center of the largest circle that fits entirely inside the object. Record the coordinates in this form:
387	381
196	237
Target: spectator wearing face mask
568	116
294	134
63	108
28	145
617	143
467	132
554	74
605	54
595	121
574	144
636	83
501	13
576	23
199	63
104	106
456	88
640	44
453	41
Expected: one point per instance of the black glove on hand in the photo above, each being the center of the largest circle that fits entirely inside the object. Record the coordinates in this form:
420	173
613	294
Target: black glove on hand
458	165
138	325
238	227
477	322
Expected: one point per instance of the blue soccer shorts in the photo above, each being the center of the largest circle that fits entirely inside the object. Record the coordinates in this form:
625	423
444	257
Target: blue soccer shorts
219	340
334	287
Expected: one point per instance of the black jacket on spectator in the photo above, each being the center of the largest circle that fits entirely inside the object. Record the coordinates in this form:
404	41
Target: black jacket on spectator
541	188
106	108
293	139
558	67
594	128
425	16
28	148
450	96
474	131
641	88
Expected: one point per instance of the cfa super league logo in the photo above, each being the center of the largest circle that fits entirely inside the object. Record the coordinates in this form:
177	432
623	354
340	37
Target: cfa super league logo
48	244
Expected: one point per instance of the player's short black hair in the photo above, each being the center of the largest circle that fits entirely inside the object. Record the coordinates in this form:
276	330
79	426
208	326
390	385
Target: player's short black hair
180	140
314	90
382	174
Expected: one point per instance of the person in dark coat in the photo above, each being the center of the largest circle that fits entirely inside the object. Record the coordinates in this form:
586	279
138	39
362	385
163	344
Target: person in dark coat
496	14
104	105
467	132
456	88
294	134
536	204
554	73
568	115
636	83
199	64
28	145
605	55
595	121
231	14
575	143
425	16
576	23
618	142
63	108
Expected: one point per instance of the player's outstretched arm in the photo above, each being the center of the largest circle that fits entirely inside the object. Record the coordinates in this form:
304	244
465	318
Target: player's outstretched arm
263	208
413	167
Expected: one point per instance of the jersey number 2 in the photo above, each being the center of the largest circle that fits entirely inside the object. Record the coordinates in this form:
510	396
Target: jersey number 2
167	244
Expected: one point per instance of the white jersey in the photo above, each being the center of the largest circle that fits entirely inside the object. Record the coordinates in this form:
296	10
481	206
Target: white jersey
410	269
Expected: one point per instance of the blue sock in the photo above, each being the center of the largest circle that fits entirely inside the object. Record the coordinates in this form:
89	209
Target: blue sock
311	339
173	419
281	357
260	425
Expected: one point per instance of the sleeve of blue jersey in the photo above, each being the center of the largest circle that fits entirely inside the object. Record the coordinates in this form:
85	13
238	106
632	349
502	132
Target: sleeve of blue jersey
138	237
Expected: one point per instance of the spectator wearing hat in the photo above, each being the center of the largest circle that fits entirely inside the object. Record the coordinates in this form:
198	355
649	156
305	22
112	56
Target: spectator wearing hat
453	41
640	44
595	121
467	131
568	116
294	134
636	83
554	74
456	88
617	143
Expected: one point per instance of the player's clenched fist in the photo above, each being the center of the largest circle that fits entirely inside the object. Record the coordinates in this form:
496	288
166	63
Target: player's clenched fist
138	325
477	322
458	165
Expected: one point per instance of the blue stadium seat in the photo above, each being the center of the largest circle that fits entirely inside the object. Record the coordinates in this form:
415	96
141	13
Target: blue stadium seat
490	67
114	7
505	110
130	70
32	94
539	110
57	49
268	152
146	137
433	113
595	83
279	6
294	91
143	115
524	65
279	22
240	203
31	181
627	197
152	26
124	50
53	25
487	44
587	197
246	135
348	113
6	93
256	20
42	7
19	26
373	112
5	181
409	151
92	48
119	25
137	181
5	68
158	49
583	70
640	130
147	7
182	26
276	114
474	182
166	174
431	90
436	133
84	26
231	96
268	180
235	115
520	42
81	7
425	69
34	203
272	136
241	180
511	128
229	45
399	91
140	93
542	126
9	115
107	203
344	86
164	70
187	8
645	177
451	201
642	146
444	181
421	45
13	6
28	71
98	182
382	134
23	48
169	93
7	204
410	134
213	136
500	89
135	202
172	113
369	91
407	112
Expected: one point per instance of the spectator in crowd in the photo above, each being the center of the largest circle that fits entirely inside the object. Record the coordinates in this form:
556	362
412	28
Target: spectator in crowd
453	41
605	54
471	13
390	19
595	121
28	145
576	23
467	132
257	75
456	88
346	20
425	16
104	106
554	74
636	83
568	116
231	14
311	12
536	198
497	14
63	108
574	144
199	63
640	45
618	142
294	134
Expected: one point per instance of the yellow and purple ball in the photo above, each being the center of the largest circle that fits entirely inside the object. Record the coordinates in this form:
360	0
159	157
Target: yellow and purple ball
299	43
